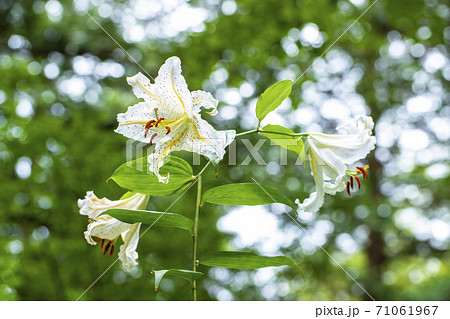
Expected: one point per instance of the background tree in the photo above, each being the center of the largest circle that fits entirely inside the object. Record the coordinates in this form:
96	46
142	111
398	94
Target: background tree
63	82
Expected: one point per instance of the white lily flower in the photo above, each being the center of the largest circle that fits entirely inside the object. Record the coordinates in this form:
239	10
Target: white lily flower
170	119
107	228
330	154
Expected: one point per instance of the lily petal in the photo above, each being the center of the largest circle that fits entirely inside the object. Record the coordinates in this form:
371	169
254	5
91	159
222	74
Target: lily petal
333	188
199	137
352	146
92	206
127	253
155	96
105	227
205	140
171	88
313	203
332	166
138	113
202	99
174	141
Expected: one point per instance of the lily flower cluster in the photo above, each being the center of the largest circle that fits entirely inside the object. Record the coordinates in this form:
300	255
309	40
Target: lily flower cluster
169	118
330	155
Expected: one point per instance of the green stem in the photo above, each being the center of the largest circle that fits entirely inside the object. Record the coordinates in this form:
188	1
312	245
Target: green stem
203	169
246	133
270	132
199	204
194	235
287	134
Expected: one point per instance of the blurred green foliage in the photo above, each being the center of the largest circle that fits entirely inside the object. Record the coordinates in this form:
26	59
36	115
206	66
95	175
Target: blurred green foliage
63	82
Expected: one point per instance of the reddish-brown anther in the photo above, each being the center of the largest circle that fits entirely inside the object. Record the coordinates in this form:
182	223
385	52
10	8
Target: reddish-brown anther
168	129
351	182
359	181
348	189
363	171
107	247
112	250
158	121
151	138
147	126
102	241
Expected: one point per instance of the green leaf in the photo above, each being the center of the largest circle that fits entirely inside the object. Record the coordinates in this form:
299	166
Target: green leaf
272	98
131	216
135	176
246	194
188	275
284	139
127	195
245	260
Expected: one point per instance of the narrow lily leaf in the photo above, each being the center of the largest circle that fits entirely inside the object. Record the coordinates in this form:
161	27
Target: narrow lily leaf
293	143
272	98
245	260
245	194
131	216
135	176
188	275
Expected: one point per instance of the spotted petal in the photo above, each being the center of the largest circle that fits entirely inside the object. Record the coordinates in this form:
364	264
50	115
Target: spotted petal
198	136
202	99
132	122
171	88
105	227
177	124
207	141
